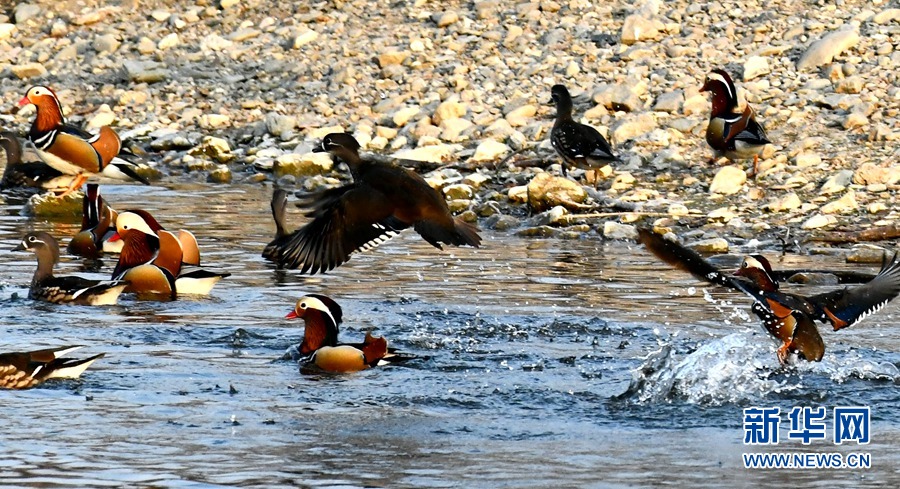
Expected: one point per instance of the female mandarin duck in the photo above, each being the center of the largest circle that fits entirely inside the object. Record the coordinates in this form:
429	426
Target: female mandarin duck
77	290
788	317
21	370
577	144
383	200
35	174
71	150
320	347
155	261
732	133
272	252
97	226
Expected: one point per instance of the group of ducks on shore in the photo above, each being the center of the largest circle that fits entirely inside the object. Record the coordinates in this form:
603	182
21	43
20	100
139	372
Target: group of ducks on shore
382	200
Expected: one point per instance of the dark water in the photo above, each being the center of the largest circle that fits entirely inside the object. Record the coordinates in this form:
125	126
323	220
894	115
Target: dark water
528	353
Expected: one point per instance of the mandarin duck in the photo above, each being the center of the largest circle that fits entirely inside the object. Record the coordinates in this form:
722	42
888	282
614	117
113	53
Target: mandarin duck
383	200
320	348
97	226
732	133
71	150
159	262
22	370
45	286
279	208
790	318
35	174
577	144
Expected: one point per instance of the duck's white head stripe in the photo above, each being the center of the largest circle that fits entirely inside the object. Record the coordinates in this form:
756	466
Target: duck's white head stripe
720	78
130	220
313	303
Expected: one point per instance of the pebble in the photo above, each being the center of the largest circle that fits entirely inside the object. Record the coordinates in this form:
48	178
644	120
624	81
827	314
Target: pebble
728	180
305	38
6	31
28	70
818	221
845	204
220	174
824	50
437	153
837	182
615	230
637	28
490	150
545	191
711	245
756	66
445	19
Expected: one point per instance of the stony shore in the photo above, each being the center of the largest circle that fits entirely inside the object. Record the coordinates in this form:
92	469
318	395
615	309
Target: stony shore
240	90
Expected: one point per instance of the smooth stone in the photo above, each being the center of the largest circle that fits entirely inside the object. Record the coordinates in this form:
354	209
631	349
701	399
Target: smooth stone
302	165
450	109
458	191
490	150
25	11
669	102
866	254
818	221
728	180
637	28
215	148
824	50
756	66
633	127
712	245
305	38
476	180
615	230
521	116
6	31
546	191
789	202
392	58
436	153
168	42
502	222
280	124
805	160
843	205
49	205
28	70
443	19
837	182
220	174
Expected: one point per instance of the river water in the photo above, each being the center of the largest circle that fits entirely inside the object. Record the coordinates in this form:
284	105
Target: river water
542	363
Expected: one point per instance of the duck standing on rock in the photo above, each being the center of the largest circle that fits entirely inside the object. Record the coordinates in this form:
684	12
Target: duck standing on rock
77	290
732	133
71	150
789	318
577	144
383	200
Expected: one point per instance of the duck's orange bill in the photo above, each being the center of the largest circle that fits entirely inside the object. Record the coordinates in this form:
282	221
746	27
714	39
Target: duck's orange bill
114	237
292	315
24	101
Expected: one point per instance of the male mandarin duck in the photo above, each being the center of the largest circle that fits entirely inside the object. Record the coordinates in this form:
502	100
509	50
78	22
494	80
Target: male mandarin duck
272	252
45	286
71	150
35	174
788	317
155	261
383	200
577	144
97	225
732	133
22	370
320	347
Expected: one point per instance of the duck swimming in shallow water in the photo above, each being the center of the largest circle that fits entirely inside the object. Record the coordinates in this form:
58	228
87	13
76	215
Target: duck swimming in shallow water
21	370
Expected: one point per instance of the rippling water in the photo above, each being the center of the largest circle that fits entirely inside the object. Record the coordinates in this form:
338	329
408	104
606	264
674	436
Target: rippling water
542	363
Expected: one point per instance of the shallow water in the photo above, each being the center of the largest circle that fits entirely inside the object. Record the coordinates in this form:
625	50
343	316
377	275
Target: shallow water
528	350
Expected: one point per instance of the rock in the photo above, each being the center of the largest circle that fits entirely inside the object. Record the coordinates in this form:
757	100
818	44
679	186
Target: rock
546	191
452	129
637	28
215	42
476	180
28	70
805	160
106	43
669	102
103	117
843	205
789	202
214	148
885	16
866	254
615	230
490	150
501	222
6	31
518	194
443	19
220	174
47	205
755	66
521	116
824	50
280	125
712	245
728	180
814	278
853	84
854	120
458	191
402	116
168	42
25	11
871	174
392	58
212	121
305	38
618	97
450	109
633	127
436	153
818	221
837	182
302	165
227	4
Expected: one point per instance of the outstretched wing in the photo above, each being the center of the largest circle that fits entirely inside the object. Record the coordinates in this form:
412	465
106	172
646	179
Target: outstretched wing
848	306
344	220
690	261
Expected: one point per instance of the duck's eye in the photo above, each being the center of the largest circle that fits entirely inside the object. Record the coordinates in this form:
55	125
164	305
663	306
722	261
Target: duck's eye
744	265
302	305
32	239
